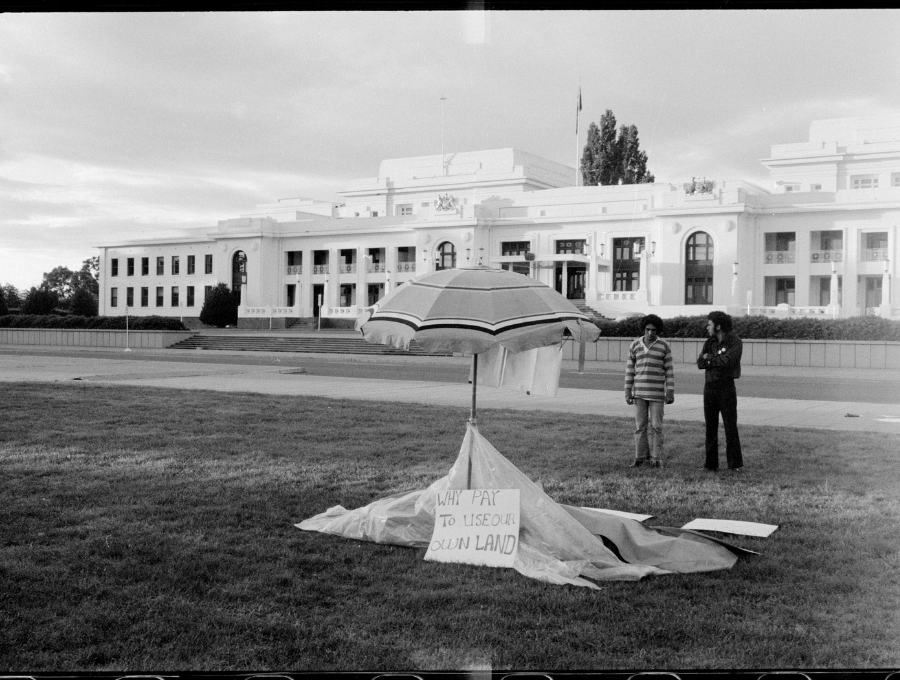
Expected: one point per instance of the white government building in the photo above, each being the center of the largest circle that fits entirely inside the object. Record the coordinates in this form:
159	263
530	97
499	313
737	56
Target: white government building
821	241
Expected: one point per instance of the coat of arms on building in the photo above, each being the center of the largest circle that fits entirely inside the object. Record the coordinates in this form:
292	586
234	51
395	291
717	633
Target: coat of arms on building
704	186
445	203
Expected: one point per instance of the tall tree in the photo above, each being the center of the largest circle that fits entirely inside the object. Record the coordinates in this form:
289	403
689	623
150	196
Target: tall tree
220	308
61	281
83	303
88	277
41	300
4	308
633	160
609	158
12	295
599	162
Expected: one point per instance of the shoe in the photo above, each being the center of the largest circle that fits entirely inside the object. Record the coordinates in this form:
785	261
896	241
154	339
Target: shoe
706	469
636	463
737	469
654	464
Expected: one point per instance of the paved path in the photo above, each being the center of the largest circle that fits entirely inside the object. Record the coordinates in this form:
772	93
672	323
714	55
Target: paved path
35	365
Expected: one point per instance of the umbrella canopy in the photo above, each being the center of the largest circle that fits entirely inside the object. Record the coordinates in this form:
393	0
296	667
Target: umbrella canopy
469	310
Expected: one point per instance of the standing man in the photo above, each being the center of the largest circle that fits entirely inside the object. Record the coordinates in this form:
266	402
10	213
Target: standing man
721	358
649	383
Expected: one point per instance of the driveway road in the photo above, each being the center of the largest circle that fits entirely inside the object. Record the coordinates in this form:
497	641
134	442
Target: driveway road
416	380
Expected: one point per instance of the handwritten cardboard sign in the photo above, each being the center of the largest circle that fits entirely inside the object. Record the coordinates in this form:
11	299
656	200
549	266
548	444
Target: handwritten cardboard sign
476	526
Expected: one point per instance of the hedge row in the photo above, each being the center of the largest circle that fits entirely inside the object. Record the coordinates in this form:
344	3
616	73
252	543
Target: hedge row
764	327
113	323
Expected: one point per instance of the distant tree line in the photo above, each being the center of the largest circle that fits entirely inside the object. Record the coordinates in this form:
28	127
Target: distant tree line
61	291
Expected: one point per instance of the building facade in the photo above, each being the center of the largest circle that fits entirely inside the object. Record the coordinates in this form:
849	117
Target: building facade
820	241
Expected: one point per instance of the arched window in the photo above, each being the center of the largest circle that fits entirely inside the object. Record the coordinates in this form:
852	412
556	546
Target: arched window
446	256
698	270
238	273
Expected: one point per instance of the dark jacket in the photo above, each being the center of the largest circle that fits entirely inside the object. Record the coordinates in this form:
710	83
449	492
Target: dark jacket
724	361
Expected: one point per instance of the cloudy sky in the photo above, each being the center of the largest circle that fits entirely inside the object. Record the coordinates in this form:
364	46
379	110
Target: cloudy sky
128	125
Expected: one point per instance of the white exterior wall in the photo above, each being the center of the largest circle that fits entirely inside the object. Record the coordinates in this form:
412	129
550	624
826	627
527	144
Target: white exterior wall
509	195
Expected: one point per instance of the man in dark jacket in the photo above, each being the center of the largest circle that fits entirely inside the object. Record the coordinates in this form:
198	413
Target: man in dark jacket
721	358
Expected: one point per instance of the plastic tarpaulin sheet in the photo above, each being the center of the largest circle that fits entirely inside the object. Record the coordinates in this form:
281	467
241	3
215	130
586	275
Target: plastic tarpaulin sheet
557	543
534	371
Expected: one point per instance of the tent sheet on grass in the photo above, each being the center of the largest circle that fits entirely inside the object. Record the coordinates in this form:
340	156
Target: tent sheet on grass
557	543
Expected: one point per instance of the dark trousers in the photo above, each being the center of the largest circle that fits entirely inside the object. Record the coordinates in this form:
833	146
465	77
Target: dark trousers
721	397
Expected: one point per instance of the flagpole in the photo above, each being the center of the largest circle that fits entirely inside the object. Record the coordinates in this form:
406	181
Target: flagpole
577	112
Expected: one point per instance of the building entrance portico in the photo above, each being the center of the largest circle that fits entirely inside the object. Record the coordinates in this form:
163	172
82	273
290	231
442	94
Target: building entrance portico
570	279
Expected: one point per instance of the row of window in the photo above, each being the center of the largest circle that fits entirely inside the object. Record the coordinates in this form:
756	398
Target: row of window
174	293
174	269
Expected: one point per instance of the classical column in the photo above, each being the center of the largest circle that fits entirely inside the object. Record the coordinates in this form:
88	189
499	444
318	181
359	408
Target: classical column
886	290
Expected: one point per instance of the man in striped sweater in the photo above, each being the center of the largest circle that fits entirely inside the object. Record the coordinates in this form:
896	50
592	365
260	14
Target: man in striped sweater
649	384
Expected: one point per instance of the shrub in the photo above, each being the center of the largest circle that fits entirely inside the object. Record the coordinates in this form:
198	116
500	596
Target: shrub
83	303
220	308
135	323
40	301
763	327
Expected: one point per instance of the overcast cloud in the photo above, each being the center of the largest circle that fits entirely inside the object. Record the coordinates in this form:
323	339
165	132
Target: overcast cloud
118	125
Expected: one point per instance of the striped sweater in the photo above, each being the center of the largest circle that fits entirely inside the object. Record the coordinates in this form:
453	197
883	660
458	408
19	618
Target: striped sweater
649	371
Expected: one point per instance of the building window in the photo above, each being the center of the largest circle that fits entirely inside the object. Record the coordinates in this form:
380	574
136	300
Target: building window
207	264
874	247
113	297
320	262
191	263
788	188
114	267
174	296
160	265
698	281
347	260
129	297
514	248
376	260
405	209
446	256
626	263
238	274
784	290
190	296
160	296
145	266
406	259
574	247
206	291
374	213
815	187
781	247
176	265
130	266
347	295
291	292
827	246
145	296
895	179
864	182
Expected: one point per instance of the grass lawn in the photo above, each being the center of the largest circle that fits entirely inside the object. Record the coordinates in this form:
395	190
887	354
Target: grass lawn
152	530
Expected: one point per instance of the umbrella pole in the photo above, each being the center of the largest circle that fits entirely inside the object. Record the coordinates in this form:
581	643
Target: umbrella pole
472	419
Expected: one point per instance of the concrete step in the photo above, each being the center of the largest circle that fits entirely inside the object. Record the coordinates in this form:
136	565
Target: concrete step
329	345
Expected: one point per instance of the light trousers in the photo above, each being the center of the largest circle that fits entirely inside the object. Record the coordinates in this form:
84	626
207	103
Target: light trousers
648	433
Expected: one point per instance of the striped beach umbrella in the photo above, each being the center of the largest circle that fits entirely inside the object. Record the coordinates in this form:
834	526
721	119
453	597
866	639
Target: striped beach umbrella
471	309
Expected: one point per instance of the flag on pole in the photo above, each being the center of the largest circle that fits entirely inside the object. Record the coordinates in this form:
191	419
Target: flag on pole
577	110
